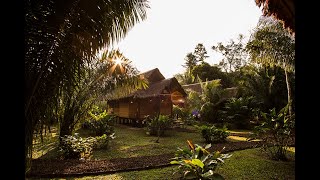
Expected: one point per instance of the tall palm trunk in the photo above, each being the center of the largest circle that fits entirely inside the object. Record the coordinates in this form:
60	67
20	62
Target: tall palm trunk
289	92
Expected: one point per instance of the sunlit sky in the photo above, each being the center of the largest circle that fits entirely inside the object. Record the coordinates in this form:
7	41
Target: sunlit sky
173	28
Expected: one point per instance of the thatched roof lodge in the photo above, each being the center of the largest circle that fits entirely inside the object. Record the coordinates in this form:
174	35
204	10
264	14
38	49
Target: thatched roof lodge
158	98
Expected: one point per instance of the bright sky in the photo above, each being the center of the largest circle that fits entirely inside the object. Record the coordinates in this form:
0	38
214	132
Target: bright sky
173	28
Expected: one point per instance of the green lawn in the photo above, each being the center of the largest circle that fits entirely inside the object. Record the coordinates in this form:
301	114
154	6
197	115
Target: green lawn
248	164
131	142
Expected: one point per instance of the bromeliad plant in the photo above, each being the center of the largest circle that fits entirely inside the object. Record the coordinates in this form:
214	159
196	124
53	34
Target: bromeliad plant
197	162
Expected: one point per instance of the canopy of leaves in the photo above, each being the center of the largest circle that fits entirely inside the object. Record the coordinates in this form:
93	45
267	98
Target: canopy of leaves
266	84
272	45
206	72
200	52
234	54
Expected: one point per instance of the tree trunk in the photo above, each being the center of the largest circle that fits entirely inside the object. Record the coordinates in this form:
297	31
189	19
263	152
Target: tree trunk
289	92
30	126
66	124
158	134
65	130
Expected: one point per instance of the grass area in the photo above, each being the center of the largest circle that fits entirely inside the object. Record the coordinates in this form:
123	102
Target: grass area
129	142
253	164
47	148
152	174
250	164
133	142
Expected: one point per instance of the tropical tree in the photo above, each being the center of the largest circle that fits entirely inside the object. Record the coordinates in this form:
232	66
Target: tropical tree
266	84
273	45
61	37
212	100
234	54
206	72
200	53
190	61
185	78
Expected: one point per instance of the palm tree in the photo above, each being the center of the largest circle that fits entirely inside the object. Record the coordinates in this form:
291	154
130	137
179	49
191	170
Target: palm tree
186	77
112	71
62	37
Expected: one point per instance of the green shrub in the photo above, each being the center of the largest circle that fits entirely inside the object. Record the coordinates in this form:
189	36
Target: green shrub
213	134
74	147
207	111
197	162
276	132
99	123
238	111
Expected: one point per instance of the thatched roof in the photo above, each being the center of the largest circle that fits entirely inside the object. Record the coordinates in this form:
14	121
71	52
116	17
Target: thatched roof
155	89
283	10
152	76
157	84
192	87
226	93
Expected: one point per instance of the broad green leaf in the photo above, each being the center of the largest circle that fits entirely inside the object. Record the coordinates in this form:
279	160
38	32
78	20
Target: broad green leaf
174	162
197	162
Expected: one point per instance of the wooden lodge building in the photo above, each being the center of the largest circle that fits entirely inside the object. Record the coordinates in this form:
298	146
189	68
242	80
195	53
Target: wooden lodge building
158	98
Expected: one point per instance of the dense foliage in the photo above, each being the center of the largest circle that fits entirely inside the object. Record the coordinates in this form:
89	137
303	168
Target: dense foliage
272	45
277	132
213	134
99	123
238	111
212	101
75	147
